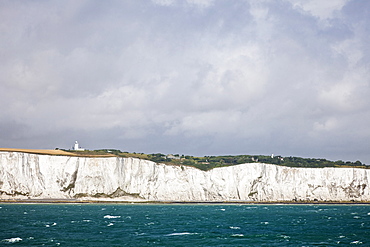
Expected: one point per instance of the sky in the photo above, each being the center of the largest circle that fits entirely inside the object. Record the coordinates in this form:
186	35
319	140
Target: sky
193	77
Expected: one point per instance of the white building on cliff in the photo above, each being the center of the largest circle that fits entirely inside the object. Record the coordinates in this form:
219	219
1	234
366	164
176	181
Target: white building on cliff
77	148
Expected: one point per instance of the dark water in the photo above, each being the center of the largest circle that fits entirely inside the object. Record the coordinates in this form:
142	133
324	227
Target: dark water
183	225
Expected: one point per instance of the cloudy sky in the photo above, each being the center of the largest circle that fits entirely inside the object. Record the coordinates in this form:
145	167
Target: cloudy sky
195	77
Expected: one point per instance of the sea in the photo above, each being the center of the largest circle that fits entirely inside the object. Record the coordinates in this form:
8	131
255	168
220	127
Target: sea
184	225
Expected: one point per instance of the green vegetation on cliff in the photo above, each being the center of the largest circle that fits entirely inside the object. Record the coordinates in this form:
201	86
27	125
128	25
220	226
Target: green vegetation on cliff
209	162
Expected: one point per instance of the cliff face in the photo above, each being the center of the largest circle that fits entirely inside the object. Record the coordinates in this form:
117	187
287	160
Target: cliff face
24	175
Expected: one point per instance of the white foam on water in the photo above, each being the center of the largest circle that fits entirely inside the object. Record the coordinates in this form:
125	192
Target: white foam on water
13	240
86	220
356	217
284	236
234	227
264	223
342	236
222	209
48	225
111	216
110	224
356	242
237	235
180	233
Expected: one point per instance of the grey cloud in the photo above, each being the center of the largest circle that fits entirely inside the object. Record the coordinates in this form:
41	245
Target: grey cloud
172	76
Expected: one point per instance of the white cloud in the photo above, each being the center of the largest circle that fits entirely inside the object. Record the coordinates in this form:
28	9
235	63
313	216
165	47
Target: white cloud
201	3
235	78
259	11
328	125
350	50
347	94
339	96
195	3
164	2
200	124
320	9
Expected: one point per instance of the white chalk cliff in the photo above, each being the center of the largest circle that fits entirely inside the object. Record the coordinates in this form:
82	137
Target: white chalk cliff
25	175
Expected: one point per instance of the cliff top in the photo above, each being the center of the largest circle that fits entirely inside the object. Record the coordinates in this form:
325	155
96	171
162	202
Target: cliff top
54	152
203	163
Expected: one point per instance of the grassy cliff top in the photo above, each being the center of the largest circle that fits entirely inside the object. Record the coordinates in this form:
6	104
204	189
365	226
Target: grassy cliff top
57	152
203	163
209	162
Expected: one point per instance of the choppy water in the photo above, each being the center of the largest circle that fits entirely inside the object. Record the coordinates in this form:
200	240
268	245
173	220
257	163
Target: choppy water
184	225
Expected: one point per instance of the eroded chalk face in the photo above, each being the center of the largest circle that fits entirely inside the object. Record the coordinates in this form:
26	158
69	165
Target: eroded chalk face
52	177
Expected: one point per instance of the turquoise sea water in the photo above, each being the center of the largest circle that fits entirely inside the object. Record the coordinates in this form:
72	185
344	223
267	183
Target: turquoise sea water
184	225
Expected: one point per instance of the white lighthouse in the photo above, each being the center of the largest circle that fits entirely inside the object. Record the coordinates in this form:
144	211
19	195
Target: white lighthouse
77	148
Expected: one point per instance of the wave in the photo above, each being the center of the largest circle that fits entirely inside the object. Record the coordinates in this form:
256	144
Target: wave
12	240
111	216
180	234
237	235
